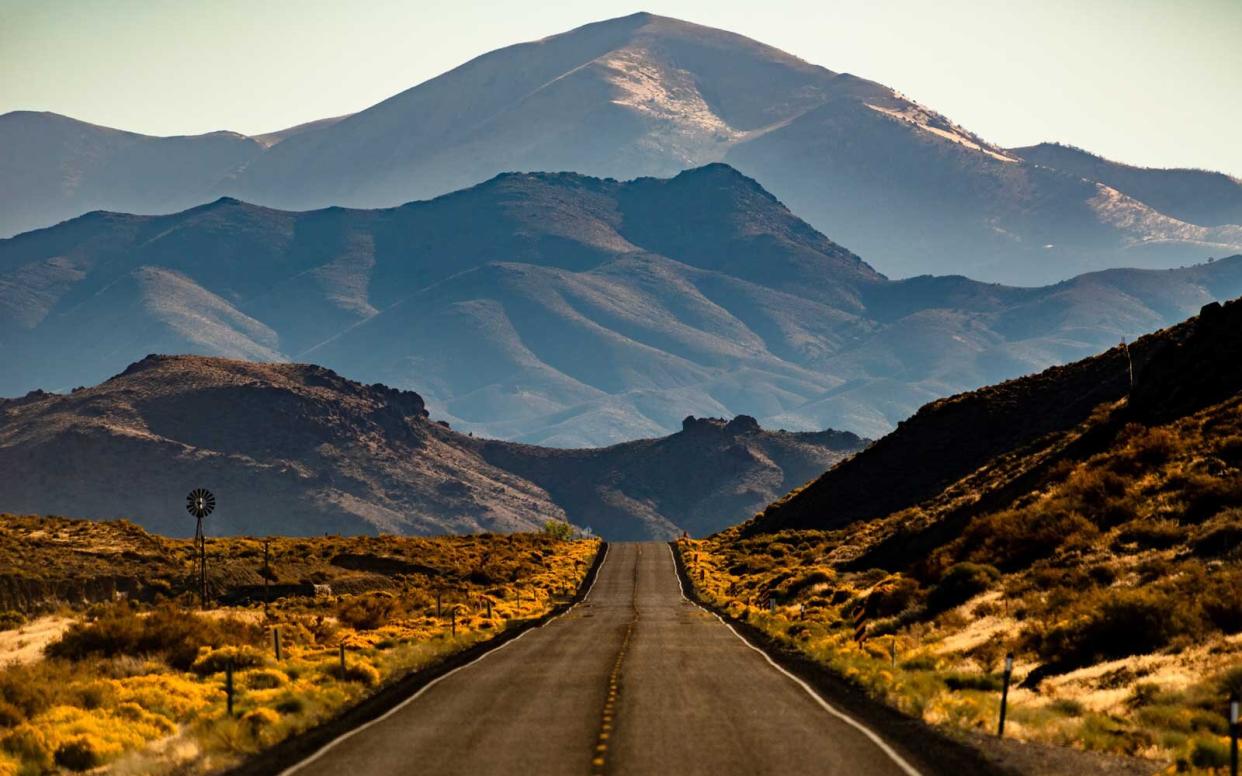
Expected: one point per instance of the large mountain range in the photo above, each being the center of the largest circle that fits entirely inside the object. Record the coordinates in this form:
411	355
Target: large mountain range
893	180
297	449
559	309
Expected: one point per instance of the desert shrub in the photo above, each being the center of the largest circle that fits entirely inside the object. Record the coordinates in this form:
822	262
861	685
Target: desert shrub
368	612
1230	448
893	596
959	584
919	663
1014	539
1121	623
986	682
1145	448
291	704
1222	536
1152	534
28	744
168	631
1067	707
213	661
80	753
1102	574
1221	600
796	584
33	688
10	715
361	672
1209	753
558	529
260	719
265	679
1096	493
10	620
1205	495
1230	682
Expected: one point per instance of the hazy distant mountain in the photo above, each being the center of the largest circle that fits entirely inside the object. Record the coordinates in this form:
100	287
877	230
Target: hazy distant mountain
647	95
1194	196
559	309
53	167
297	449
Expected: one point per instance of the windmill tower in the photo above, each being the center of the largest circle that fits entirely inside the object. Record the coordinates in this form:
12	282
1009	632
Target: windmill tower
200	503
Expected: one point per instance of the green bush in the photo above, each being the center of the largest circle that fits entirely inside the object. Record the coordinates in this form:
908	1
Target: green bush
959	584
558	529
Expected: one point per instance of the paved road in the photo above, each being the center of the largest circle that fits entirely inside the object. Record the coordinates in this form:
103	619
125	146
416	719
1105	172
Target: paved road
634	680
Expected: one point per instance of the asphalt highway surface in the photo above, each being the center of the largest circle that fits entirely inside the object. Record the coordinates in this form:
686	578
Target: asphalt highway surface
633	680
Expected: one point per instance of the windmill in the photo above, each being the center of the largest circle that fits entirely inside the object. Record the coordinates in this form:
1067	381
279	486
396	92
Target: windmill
200	503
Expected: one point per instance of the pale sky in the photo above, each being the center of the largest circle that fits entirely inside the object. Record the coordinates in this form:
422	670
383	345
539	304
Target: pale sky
1151	82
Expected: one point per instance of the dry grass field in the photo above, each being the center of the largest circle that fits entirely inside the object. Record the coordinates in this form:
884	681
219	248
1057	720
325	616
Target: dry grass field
110	661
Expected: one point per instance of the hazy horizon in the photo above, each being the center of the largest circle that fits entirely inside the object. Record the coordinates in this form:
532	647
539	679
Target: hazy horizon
1141	82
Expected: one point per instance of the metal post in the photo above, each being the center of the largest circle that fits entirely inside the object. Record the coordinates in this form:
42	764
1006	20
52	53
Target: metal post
200	546
489	608
1233	734
276	642
453	621
342	660
1000	728
437	603
228	684
892	649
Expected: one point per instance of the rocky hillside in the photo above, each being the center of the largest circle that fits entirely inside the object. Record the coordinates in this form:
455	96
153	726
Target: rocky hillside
298	450
557	309
1093	531
1176	371
645	95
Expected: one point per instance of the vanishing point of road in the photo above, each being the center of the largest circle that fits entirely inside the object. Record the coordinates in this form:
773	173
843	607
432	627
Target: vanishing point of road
633	680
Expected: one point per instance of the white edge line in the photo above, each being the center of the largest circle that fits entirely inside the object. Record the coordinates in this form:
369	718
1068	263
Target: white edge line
828	707
321	751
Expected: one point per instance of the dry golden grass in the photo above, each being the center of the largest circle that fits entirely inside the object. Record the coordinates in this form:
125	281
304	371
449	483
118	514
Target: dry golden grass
140	687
